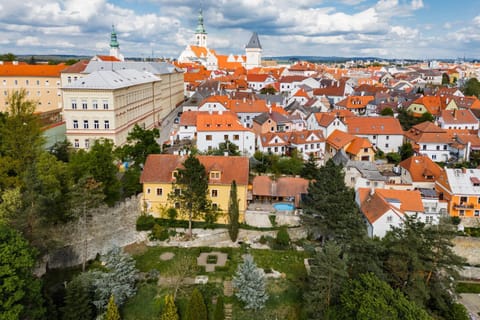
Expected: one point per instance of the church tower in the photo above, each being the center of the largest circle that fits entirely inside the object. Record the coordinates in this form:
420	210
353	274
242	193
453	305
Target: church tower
114	46
253	51
200	33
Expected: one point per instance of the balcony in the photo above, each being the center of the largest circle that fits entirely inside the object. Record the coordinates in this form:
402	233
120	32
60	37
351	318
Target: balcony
463	206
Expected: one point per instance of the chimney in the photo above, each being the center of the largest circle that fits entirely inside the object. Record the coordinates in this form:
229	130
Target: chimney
220	112
244	99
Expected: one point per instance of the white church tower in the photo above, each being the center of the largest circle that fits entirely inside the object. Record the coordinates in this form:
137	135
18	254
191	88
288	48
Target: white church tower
253	52
200	33
114	46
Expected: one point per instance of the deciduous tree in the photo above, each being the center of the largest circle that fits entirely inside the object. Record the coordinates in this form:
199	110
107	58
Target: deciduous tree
190	190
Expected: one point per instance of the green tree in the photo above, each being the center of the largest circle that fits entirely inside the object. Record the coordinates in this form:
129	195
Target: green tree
406	150
330	211
445	79
112	310
369	298
190	190
20	291
140	143
219	313
78	299
196	309
99	163
310	168
268	90
21	134
85	195
387	112
61	150
233	213
426	116
8	57
472	87
169	310
420	262
327	277
292	165
249	282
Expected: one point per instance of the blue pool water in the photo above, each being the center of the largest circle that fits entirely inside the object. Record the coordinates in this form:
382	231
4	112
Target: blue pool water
284	207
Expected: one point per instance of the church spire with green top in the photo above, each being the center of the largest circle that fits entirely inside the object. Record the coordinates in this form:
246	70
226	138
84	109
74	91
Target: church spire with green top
113	39
200	27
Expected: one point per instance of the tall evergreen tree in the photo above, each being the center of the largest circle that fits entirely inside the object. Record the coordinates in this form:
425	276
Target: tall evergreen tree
328	274
196	309
233	213
249	281
169	309
190	190
330	210
112	310
78	299
219	313
310	168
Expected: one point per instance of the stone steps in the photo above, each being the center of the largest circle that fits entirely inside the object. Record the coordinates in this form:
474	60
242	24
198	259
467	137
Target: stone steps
228	311
227	288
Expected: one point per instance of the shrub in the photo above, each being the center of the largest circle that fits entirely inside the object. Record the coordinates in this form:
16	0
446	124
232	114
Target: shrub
456	220
145	223
219	313
211	259
273	219
283	238
263	240
172	213
159	233
394	157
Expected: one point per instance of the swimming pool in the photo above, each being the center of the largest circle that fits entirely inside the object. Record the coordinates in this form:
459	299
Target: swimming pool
284	206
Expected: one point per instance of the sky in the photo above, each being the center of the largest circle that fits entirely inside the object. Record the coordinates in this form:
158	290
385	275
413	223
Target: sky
418	29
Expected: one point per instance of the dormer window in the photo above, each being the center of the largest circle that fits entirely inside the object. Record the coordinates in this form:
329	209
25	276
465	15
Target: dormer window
174	174
215	175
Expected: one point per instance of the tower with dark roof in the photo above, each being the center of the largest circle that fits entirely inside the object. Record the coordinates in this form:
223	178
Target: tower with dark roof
253	51
200	33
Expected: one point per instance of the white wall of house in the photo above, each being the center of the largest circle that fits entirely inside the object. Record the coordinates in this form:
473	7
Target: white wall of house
383	224
385	142
439	152
245	140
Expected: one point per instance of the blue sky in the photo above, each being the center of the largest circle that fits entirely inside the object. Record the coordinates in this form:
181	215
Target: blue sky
422	29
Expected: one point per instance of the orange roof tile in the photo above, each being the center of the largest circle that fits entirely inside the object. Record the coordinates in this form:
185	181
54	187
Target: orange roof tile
374	125
433	104
76	67
411	200
257	77
28	70
188	118
255	106
219	121
202	51
355	102
421	168
339	139
108	58
159	167
458	116
358	144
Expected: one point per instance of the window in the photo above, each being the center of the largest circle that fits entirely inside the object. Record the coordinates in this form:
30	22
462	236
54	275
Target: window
478	200
225	137
75	124
177	205
365	149
476	213
386	145
149	190
424	147
214	206
105	105
389	219
463	199
87	143
215	175
84	104
428	219
74	104
444	147
438	148
177	192
387	137
27	82
76	143
106	124
434	157
208	137
38	82
85	124
159	191
461	213
236	137
47	83
95	104
214	193
96	125
352	179
69	79
16	82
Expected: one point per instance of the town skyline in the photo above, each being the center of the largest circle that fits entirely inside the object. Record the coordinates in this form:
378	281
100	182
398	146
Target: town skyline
418	29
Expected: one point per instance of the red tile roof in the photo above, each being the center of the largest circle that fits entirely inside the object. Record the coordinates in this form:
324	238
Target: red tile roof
159	167
28	70
421	168
219	121
374	125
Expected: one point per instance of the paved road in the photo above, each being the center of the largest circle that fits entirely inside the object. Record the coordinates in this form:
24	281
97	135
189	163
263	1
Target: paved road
167	126
472	302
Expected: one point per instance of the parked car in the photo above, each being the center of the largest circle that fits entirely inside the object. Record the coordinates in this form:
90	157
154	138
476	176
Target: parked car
176	120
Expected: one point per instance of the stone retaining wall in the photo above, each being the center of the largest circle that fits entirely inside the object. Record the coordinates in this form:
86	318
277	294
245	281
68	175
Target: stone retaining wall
261	219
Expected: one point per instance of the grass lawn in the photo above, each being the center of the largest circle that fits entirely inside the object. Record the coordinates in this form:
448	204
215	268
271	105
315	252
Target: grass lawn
468	287
285	293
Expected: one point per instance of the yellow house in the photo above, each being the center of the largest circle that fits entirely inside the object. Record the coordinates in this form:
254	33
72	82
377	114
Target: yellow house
158	177
356	148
